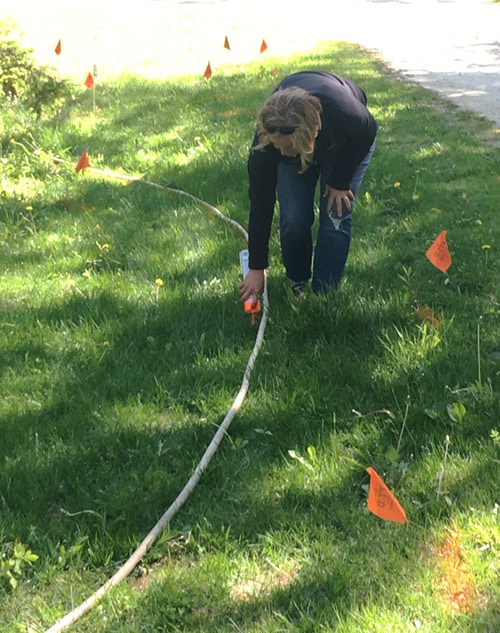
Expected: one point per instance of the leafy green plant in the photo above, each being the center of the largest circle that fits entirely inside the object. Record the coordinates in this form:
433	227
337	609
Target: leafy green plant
13	560
456	411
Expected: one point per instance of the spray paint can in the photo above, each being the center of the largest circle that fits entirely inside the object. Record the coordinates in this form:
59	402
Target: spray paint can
249	303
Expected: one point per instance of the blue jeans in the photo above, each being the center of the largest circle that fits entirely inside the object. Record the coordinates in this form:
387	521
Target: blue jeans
296	194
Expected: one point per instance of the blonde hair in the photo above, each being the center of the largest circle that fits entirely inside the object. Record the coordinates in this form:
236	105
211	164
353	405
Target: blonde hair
292	109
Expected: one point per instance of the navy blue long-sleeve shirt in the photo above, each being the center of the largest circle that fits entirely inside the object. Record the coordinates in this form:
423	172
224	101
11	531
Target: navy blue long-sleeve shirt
347	133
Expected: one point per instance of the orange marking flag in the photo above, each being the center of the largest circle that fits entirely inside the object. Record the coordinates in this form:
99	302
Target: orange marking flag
438	253
58	48
226	44
263	46
89	82
381	501
208	71
83	163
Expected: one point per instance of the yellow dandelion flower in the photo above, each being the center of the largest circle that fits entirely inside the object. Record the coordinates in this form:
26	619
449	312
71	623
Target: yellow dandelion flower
464	196
415	196
485	247
479	222
105	343
105	247
397	184
159	282
29	208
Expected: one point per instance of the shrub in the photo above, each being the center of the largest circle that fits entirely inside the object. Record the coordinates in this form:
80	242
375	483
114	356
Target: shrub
22	80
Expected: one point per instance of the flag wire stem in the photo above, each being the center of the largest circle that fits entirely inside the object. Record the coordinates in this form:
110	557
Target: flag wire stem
134	559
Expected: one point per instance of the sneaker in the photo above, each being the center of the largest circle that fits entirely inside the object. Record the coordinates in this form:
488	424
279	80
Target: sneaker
299	288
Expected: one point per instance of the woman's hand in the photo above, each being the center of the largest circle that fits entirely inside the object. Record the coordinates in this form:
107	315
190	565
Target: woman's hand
252	285
336	197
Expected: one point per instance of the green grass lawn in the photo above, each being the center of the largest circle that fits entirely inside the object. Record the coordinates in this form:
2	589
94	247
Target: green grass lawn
123	344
